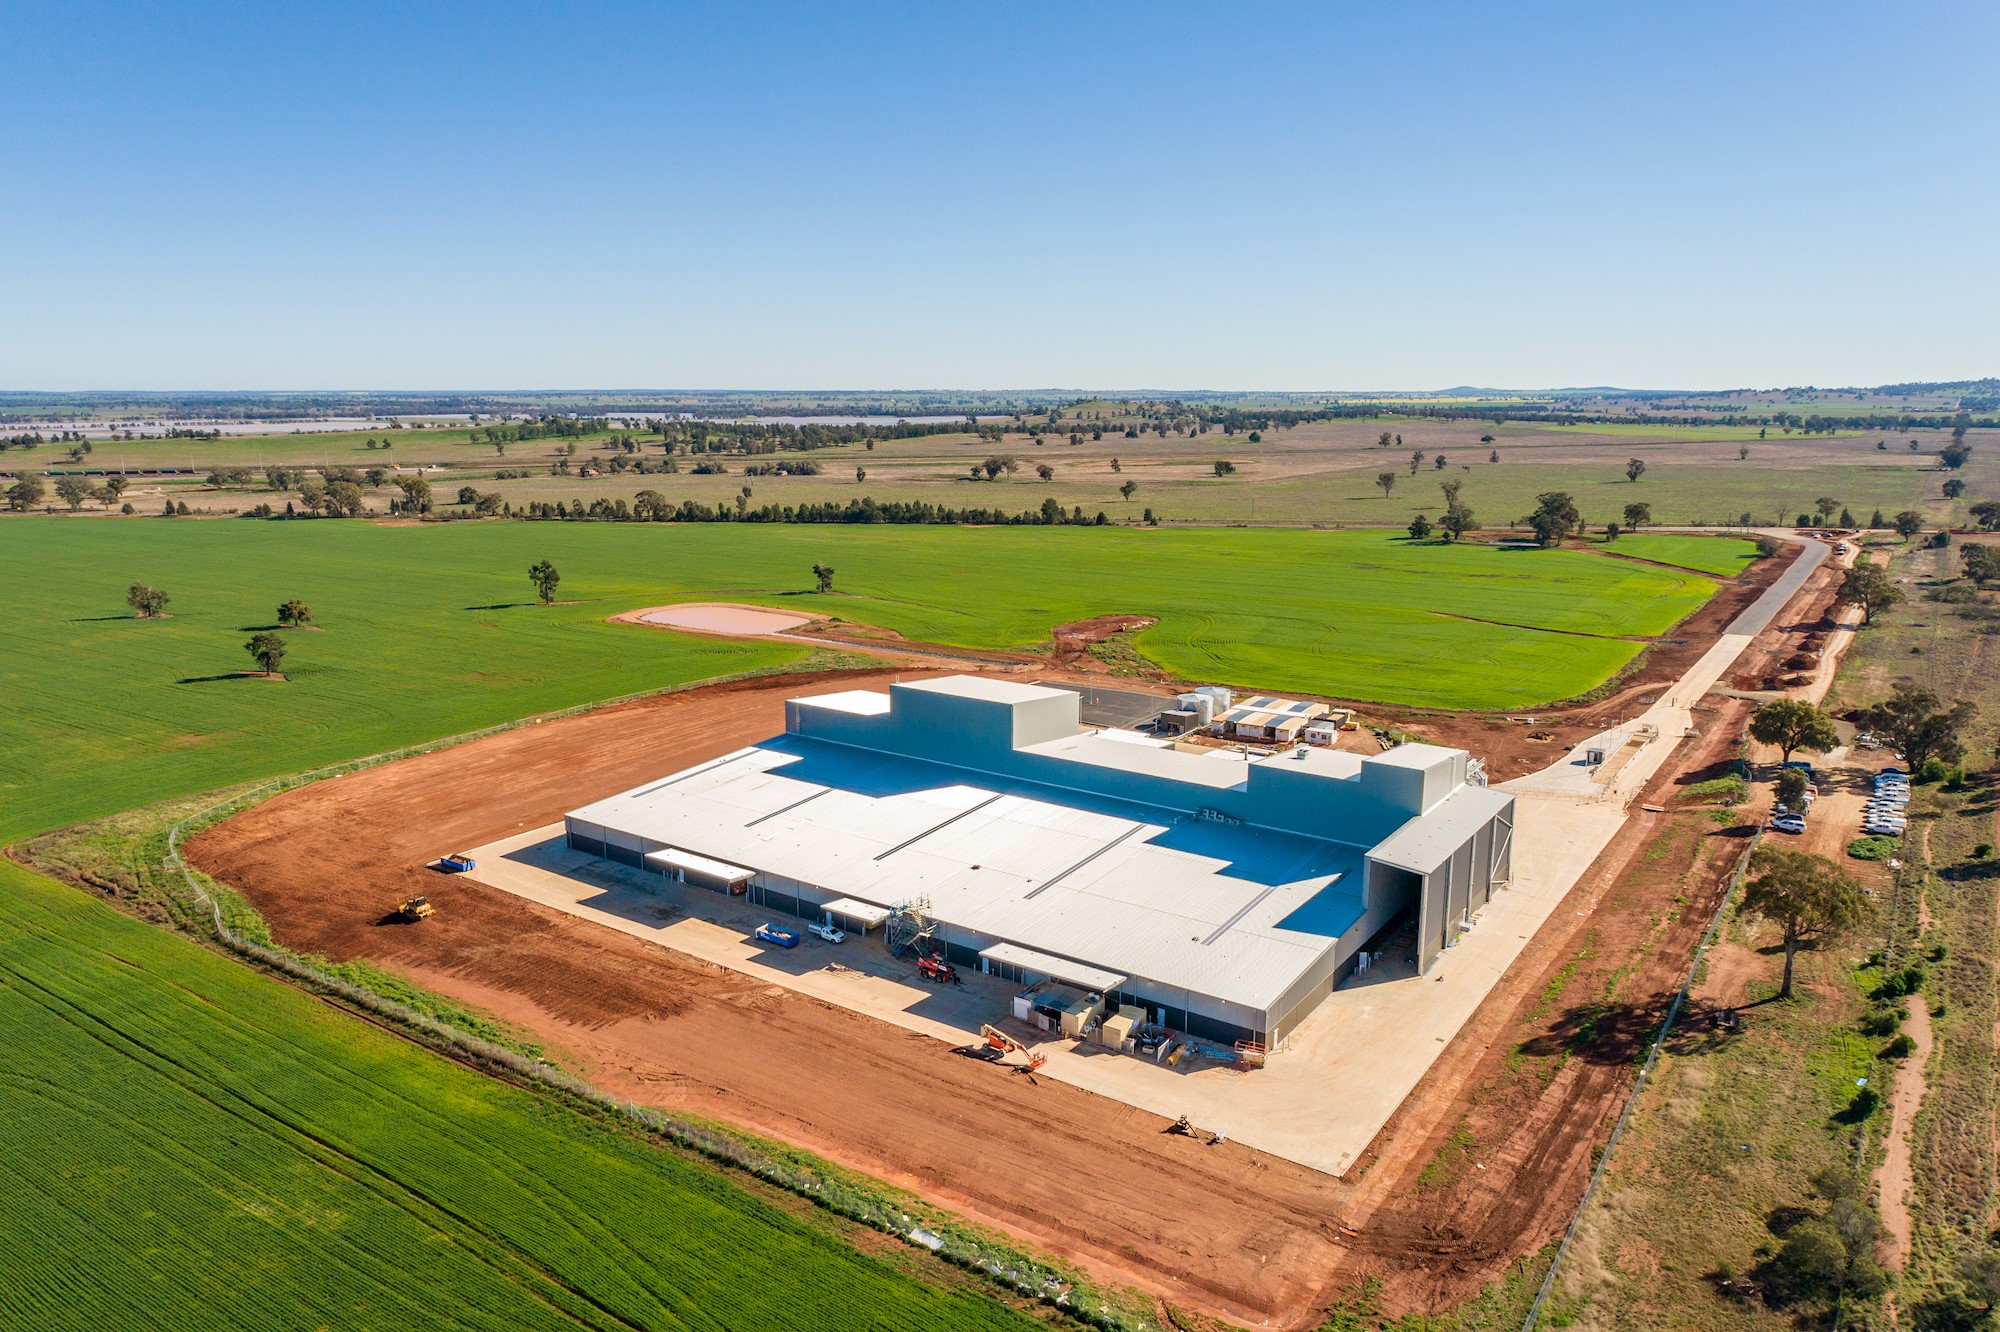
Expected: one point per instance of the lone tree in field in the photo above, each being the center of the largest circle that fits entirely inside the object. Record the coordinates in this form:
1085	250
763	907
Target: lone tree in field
823	575
150	602
295	613
1386	480
1224	467
1416	460
1826	506
1804	895
1554	518
1637	516
1044	471
860	475
1457	520
269	651
1634	468
1953	488
1918	724
1127	489
1869	587
1793	724
544	576
1907	523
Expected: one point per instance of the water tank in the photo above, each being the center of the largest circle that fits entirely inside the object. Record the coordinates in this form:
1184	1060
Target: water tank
1201	705
1221	695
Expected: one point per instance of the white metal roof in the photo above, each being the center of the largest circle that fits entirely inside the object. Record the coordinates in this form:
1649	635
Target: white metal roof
1095	979
1425	842
985	688
867	912
1230	911
860	702
714	869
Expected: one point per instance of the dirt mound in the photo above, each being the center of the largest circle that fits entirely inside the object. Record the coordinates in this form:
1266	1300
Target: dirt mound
1073	641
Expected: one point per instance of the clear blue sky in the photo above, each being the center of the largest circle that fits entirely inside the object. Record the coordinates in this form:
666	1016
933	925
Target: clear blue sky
955	195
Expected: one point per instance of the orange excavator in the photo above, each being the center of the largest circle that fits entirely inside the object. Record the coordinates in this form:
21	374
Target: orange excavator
1003	1045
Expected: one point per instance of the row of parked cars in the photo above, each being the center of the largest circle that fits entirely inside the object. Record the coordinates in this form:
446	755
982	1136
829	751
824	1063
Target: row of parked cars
1792	818
1888	809
1886	815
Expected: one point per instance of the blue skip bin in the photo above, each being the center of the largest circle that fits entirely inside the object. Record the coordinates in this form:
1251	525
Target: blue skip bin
772	934
457	863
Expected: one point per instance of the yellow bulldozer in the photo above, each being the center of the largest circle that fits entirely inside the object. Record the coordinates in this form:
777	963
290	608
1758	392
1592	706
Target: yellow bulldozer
414	909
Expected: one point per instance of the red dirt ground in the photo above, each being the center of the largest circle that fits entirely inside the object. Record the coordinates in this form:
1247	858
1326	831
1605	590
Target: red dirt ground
1534	1093
1222	1229
1225	1230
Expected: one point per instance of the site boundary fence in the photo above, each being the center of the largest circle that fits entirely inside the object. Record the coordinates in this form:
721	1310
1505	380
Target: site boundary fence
1639	1085
1021	1274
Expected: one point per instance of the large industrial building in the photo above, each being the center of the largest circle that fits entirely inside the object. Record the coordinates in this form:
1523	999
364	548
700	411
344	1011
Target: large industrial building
1225	892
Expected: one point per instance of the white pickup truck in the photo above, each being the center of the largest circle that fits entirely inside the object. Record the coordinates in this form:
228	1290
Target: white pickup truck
819	929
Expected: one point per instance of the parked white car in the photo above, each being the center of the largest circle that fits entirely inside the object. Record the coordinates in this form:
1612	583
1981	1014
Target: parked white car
819	929
1789	823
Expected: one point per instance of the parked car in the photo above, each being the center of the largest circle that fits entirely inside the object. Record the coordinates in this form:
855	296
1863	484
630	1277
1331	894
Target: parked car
1884	829
819	929
1801	765
772	934
1789	823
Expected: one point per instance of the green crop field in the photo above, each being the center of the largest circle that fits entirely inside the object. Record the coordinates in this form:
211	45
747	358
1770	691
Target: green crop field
429	631
1725	558
185	1144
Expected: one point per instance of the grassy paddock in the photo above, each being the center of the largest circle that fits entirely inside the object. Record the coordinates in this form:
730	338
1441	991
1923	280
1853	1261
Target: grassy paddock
433	630
1724	557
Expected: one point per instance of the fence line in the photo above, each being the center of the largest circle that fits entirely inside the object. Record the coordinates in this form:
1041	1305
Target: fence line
1025	1276
1639	1085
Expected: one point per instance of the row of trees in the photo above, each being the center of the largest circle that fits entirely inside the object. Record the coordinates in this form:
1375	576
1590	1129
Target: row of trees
650	506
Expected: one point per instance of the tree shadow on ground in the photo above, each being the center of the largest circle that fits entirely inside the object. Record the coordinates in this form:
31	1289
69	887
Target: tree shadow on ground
504	605
1607	1033
226	675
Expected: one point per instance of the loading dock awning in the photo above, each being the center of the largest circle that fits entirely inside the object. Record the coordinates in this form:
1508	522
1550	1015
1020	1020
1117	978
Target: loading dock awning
865	914
1095	979
689	863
